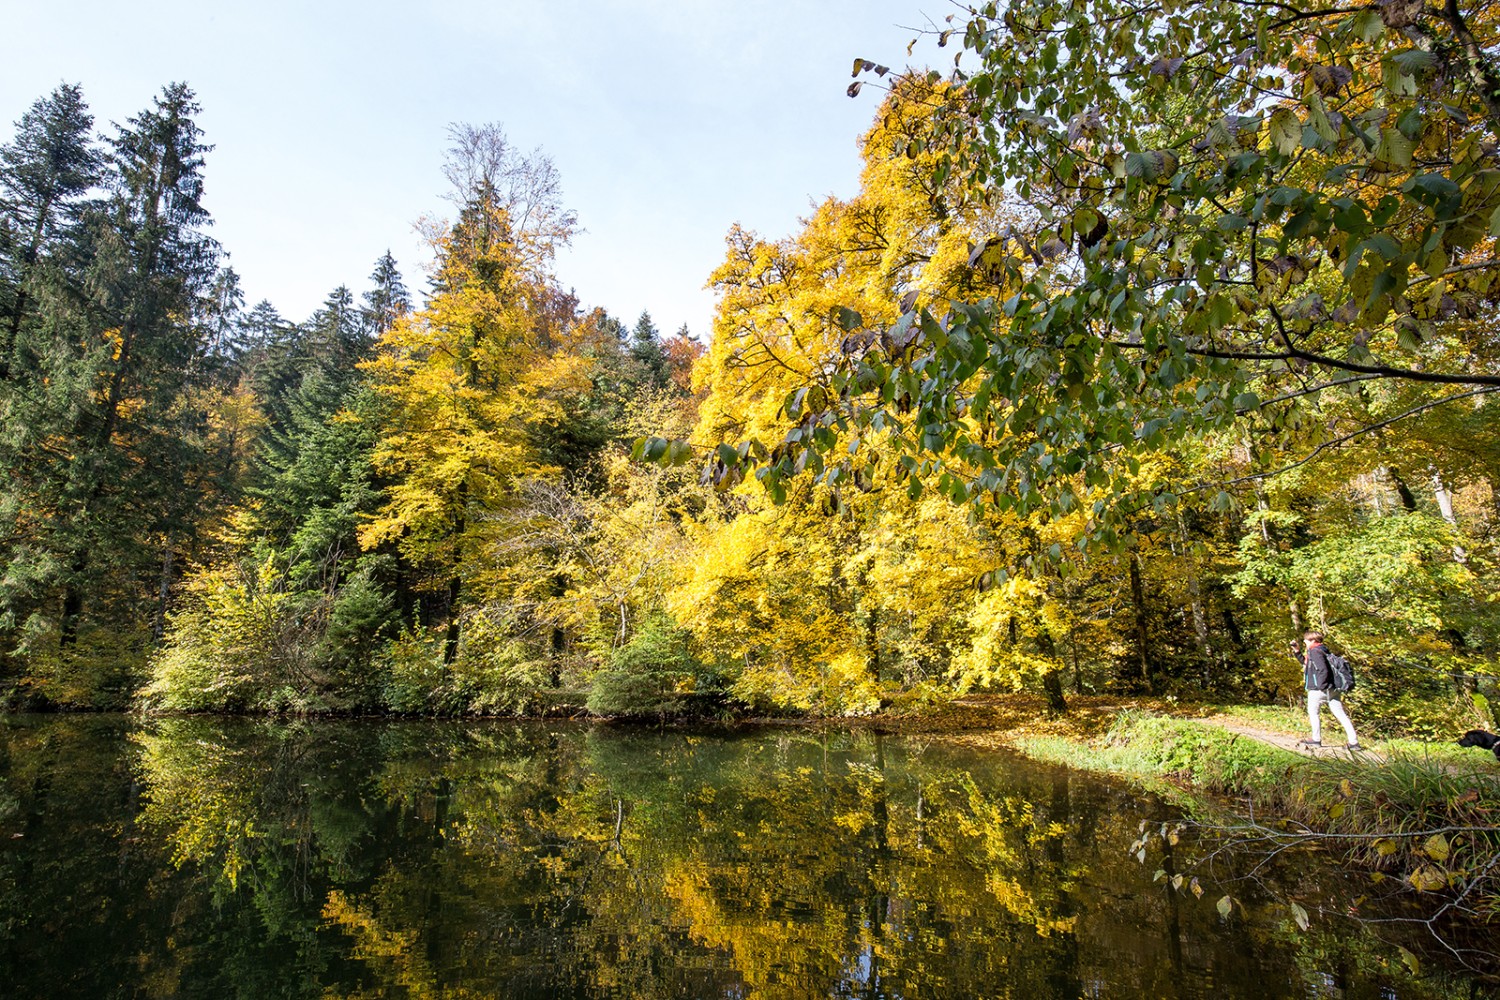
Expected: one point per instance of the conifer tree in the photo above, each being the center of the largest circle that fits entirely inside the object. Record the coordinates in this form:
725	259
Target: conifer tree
44	174
129	487
388	300
646	349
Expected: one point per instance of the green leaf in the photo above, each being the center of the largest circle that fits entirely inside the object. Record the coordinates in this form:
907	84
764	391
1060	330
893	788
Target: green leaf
1394	149
1286	131
1368	25
1226	906
1414	62
1318	116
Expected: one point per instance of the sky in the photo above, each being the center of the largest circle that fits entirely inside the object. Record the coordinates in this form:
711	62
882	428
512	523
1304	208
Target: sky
667	121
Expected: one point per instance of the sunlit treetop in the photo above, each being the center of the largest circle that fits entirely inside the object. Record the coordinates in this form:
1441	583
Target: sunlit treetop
1233	216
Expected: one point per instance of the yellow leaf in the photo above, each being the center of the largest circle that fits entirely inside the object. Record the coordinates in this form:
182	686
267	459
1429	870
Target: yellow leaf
1428	878
1437	848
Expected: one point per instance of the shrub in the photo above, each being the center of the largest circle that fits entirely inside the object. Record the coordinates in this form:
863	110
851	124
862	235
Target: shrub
654	674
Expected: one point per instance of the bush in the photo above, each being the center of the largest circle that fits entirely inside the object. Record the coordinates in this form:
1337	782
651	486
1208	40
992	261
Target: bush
494	672
417	680
654	674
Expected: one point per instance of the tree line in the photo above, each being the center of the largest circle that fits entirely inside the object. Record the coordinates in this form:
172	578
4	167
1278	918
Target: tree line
1072	405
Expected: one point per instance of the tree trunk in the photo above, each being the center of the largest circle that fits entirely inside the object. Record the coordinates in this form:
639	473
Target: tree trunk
1445	507
1408	500
1052	679
1195	601
163	592
450	640
1138	597
72	606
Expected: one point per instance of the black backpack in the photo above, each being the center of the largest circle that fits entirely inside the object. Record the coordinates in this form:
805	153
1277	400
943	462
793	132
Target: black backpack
1341	673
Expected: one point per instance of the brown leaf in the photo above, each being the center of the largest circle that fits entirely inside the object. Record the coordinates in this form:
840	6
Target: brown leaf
1167	68
1330	79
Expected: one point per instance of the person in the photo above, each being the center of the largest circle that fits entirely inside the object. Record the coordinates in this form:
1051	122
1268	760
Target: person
1318	679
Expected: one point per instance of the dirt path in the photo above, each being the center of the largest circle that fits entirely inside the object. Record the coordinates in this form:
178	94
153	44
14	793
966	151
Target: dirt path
983	716
1290	743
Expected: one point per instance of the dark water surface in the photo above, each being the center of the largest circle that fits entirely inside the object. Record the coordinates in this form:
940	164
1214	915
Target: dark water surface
214	858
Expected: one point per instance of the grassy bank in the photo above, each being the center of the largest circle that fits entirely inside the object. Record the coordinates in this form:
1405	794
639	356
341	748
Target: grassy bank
1422	821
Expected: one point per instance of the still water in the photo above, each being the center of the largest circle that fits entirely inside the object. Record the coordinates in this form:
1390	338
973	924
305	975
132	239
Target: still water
214	858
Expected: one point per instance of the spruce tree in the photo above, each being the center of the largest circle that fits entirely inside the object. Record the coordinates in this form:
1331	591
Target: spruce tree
389	299
44	174
646	349
133	486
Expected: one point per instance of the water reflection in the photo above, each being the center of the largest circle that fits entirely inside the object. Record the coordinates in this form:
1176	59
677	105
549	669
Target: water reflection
193	857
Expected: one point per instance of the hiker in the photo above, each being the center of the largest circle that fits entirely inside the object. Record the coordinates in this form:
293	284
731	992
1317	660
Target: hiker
1318	679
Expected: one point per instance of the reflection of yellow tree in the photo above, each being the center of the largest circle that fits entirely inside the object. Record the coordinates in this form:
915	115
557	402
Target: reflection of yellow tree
394	954
202	796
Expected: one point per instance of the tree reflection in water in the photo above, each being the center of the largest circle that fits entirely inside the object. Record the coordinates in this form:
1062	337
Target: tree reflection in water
209	857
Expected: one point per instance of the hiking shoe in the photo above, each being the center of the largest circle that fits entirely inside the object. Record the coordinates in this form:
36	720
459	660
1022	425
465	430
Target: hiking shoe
1352	746
1309	743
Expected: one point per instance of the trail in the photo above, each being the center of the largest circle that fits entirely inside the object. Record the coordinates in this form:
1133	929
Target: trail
1290	743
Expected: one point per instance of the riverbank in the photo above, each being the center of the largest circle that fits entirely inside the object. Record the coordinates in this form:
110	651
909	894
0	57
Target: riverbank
1419	819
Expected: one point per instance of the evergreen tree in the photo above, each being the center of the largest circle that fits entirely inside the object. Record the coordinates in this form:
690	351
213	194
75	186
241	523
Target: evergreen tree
261	327
336	337
44	174
646	349
223	310
133	484
389	299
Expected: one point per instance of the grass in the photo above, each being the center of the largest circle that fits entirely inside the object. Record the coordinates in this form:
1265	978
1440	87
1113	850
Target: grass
1173	753
1428	814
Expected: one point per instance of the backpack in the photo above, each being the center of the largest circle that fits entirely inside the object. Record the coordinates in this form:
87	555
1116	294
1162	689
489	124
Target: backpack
1341	673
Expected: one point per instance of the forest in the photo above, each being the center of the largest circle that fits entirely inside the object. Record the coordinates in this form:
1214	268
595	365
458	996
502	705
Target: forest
1133	356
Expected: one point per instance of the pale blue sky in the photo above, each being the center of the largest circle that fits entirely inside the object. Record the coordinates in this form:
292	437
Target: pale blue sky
668	121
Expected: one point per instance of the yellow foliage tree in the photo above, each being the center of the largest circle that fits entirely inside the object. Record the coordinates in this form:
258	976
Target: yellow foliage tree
468	381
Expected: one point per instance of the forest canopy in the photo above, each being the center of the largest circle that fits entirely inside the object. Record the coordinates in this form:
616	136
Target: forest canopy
1151	337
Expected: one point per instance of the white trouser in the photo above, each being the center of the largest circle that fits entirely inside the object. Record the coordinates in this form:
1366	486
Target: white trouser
1315	702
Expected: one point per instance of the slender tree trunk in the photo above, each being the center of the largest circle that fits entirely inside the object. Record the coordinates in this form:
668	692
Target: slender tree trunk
163	592
1073	656
1052	679
450	639
559	644
1195	601
455	585
1142	641
1445	507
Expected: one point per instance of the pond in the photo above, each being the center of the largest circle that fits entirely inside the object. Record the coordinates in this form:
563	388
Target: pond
216	858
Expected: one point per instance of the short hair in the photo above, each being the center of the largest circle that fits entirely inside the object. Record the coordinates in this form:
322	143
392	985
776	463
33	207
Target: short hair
1313	636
